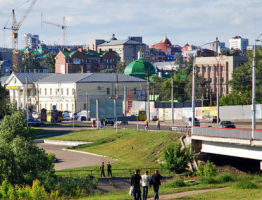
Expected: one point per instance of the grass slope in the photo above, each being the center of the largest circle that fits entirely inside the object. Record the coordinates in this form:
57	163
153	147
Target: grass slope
131	148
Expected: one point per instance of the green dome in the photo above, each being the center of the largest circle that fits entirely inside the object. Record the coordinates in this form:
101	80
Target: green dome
140	68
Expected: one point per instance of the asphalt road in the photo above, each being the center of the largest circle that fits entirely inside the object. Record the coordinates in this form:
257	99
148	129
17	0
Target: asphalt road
67	159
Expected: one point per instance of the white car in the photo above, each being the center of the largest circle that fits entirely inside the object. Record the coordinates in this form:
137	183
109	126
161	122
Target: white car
66	116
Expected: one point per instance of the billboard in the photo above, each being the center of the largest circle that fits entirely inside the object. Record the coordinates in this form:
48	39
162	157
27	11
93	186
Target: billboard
106	108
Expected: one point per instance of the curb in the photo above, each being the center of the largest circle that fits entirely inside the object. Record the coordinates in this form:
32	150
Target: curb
62	143
92	154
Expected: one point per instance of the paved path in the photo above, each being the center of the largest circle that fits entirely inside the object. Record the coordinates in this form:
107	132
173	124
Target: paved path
183	194
67	160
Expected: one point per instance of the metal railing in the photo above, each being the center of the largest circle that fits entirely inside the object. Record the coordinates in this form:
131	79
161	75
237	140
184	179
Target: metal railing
115	172
227	133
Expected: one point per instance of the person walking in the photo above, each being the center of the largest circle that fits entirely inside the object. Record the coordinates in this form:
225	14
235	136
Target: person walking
158	124
109	169
102	170
146	125
145	183
135	182
156	182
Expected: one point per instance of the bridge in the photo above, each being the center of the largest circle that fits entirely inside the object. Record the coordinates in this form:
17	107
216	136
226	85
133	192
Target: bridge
229	142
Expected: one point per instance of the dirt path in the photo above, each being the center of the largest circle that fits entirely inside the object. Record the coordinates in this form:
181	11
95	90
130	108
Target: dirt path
183	194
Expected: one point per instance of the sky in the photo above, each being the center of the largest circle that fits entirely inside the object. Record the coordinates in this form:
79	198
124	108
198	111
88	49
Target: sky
183	21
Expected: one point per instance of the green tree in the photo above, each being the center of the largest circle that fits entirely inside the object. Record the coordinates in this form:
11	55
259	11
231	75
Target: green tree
176	158
4	102
21	161
49	61
29	61
241	82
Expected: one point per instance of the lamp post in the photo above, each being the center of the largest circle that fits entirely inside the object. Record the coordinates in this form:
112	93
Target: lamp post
254	88
172	94
193	97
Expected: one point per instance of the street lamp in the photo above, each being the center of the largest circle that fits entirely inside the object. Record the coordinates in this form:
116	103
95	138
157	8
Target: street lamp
254	88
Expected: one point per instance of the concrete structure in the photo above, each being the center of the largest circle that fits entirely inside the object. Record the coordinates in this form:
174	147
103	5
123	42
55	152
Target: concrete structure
238	43
220	67
31	41
127	49
229	142
92	44
69	92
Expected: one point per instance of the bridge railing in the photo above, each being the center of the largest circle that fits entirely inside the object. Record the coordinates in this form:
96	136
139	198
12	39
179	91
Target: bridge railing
226	133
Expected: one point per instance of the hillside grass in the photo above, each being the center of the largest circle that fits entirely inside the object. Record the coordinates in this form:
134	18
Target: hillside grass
131	148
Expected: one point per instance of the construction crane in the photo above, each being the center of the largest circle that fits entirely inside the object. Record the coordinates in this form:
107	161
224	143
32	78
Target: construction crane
63	26
15	28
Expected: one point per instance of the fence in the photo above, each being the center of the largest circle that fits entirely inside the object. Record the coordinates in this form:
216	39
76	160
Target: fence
116	172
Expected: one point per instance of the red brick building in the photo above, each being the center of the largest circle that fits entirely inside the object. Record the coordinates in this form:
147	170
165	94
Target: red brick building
83	61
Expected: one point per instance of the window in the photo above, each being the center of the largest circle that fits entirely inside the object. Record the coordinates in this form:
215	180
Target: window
56	91
67	91
50	91
45	91
107	91
61	107
134	91
62	91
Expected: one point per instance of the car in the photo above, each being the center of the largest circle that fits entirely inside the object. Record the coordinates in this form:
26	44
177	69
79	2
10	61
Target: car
188	122
66	116
81	118
34	122
35	115
227	124
110	121
124	121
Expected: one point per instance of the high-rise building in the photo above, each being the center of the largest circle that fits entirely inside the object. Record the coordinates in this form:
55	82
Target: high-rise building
31	41
239	43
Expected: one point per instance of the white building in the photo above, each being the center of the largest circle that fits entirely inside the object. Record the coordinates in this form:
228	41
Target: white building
239	43
31	41
69	92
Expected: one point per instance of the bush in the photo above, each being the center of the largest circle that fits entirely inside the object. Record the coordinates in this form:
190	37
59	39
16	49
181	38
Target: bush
208	180
71	187
224	178
176	159
207	170
246	185
176	184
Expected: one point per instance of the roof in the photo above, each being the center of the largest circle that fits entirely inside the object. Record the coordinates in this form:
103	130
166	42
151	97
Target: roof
31	78
68	53
119	42
64	78
109	77
140	68
102	53
164	45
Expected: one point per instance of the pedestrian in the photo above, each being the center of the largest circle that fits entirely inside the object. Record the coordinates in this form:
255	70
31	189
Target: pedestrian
94	123
156	182
145	184
109	169
101	123
158	124
102	169
146	125
135	182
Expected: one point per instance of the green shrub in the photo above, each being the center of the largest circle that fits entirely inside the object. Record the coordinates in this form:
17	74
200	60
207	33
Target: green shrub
75	187
176	159
207	170
176	184
245	184
224	178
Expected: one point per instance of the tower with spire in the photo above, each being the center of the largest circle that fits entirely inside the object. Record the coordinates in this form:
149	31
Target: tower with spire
140	54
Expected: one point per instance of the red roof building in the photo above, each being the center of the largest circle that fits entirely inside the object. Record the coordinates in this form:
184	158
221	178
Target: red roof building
165	45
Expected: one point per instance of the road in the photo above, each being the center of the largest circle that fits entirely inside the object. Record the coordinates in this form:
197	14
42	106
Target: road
67	159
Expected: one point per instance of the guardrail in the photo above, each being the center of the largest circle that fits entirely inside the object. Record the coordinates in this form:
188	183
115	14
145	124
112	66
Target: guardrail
115	172
181	129
234	133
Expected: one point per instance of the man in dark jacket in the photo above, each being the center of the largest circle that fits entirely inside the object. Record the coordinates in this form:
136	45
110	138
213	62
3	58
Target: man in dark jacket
135	182
109	169
156	182
102	169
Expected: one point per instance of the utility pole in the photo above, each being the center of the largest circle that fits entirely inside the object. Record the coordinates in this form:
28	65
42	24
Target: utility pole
125	100
97	122
115	100
86	106
148	98
254	91
218	91
172	94
193	97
